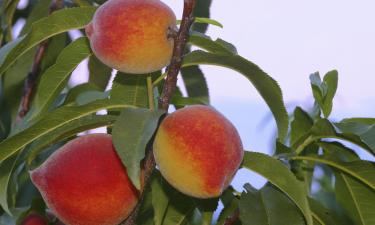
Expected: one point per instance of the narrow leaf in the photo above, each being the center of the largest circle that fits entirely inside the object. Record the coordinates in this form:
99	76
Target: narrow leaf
130	89
357	199
68	130
195	83
202	9
266	86
284	179
50	122
160	199
331	80
205	42
53	81
208	21
131	133
300	125
360	169
99	73
59	22
268	206
321	214
6	168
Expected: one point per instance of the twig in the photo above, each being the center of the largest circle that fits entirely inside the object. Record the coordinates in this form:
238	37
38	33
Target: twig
178	51
233	218
32	77
180	40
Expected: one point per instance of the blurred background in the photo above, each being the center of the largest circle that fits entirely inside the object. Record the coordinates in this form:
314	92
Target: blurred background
289	40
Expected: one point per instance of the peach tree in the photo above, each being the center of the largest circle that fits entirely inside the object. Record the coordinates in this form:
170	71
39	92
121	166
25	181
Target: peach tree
153	166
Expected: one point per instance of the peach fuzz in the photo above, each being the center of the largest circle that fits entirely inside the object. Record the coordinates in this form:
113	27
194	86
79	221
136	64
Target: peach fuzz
132	35
85	183
198	151
34	219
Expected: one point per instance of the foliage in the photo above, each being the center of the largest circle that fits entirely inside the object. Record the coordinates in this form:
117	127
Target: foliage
308	140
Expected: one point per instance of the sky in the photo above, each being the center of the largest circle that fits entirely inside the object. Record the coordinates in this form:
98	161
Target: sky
289	40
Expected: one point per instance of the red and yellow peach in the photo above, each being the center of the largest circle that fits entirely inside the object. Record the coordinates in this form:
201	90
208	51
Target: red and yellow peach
132	35
85	183
198	151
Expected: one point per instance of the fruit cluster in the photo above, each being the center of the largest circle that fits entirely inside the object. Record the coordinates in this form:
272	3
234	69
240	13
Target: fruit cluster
197	150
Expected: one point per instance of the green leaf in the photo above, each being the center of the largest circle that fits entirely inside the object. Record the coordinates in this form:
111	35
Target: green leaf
363	120
266	86
337	151
207	207
13	82
319	89
331	80
208	21
180	208
284	179
362	129
99	73
180	101
205	42
323	128
78	90
360	169
230	203
300	125
59	22
320	214
7	13
195	83
6	168
130	89
202	9
56	44
170	206
4	51
68	130
146	212
268	206
131	133
52	121
324	91
54	80
357	199
90	96
39	11
160	200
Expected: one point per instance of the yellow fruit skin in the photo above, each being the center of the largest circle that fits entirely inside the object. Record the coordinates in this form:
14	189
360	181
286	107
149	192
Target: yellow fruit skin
132	35
198	151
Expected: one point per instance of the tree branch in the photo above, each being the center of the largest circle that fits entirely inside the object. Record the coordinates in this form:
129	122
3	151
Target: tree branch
180	40
32	77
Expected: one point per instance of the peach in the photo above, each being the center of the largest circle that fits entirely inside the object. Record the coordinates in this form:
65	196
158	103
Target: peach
198	151
132	35
34	219
85	183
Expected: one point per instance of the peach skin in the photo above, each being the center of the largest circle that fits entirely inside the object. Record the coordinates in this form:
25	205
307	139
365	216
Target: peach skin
132	35
198	151
85	183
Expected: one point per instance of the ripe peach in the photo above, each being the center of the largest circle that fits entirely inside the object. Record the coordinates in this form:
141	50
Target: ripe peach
198	151
132	35
85	183
34	219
